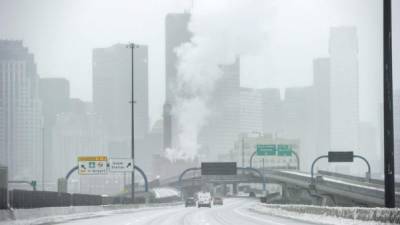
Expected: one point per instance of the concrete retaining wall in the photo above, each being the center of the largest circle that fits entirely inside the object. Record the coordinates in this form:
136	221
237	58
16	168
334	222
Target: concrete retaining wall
384	215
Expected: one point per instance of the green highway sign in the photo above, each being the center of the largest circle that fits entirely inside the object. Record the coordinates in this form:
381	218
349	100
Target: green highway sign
284	150
263	150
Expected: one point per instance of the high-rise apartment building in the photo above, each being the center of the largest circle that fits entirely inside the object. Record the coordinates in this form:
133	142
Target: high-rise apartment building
20	113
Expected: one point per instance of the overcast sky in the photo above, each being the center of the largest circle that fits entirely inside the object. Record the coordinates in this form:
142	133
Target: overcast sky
62	34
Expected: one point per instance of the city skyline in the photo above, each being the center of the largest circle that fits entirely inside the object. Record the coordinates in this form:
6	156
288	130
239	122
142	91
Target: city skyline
82	89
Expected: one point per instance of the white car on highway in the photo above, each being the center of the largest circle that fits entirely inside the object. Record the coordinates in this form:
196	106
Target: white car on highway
204	199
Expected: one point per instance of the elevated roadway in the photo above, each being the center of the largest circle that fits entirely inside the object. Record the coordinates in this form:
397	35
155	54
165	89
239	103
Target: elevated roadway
329	188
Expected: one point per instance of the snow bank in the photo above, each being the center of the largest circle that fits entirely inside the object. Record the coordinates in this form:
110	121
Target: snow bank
347	215
165	192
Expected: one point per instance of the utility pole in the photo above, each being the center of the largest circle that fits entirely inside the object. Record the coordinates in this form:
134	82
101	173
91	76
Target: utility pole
132	46
390	201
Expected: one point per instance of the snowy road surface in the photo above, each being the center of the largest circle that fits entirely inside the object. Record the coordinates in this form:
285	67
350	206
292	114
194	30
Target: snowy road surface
234	211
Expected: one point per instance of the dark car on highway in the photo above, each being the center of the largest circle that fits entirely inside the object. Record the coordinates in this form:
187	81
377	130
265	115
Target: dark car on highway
218	201
190	202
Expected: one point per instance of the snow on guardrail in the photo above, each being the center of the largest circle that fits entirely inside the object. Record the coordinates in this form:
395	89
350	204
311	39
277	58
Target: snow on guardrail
305	212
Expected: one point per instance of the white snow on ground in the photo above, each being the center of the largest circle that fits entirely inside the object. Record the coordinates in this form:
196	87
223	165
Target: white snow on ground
165	192
329	220
77	216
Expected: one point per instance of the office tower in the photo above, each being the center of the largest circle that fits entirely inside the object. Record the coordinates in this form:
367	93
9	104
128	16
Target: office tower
20	113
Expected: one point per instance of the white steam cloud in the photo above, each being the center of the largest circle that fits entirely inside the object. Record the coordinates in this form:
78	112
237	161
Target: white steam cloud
222	31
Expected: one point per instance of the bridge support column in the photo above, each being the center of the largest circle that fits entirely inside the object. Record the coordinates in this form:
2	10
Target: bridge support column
224	189
62	185
284	193
235	188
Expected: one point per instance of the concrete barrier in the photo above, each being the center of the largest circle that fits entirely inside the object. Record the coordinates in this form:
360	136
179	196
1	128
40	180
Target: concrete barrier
384	215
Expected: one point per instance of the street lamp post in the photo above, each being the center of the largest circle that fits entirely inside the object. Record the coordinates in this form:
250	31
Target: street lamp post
42	158
388	140
132	46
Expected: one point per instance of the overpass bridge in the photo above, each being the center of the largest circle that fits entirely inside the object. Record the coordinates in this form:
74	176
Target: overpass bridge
329	189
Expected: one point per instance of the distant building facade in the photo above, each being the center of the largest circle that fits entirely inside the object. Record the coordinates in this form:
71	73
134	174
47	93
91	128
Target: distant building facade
251	110
76	133
271	110
21	119
344	83
54	94
223	127
322	86
299	120
176	33
246	144
112	80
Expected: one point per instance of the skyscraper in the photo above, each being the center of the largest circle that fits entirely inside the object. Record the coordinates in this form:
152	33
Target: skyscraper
112	93
344	106
176	33
20	112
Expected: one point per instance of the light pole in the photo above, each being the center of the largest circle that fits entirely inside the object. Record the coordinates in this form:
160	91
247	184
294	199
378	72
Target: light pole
388	140
43	158
132	46
243	150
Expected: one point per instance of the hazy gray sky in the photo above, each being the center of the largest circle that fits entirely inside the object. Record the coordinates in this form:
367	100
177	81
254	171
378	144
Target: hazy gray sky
62	34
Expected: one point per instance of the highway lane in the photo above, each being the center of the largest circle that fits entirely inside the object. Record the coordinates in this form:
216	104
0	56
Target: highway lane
234	211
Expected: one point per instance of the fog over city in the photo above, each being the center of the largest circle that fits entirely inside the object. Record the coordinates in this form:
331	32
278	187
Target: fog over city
214	81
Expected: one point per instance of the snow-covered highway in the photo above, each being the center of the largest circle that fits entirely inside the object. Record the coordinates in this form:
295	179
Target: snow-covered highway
234	211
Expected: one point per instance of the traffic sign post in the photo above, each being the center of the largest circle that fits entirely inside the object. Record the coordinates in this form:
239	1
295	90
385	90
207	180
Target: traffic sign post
340	156
92	165
121	165
266	150
284	150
